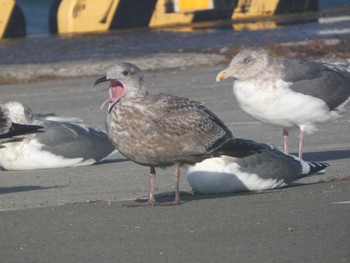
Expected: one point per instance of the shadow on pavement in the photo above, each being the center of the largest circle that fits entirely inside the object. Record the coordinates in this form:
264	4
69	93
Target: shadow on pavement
326	155
112	161
15	189
188	197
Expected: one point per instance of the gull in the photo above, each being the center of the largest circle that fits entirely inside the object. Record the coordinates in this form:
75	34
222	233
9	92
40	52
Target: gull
266	168
64	142
11	131
158	130
288	92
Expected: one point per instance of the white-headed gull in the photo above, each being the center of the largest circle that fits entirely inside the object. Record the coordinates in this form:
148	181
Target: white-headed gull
264	168
10	131
288	92
64	142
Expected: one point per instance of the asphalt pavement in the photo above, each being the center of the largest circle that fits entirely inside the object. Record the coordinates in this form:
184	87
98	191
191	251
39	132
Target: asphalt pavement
78	214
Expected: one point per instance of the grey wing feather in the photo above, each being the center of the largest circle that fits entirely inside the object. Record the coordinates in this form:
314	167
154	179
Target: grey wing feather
73	141
316	79
272	164
262	159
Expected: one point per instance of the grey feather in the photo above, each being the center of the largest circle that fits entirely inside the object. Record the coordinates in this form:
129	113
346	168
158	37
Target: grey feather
266	161
329	84
68	138
74	141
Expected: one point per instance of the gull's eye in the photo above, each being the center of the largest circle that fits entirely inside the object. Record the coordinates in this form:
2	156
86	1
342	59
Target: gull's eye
125	72
247	60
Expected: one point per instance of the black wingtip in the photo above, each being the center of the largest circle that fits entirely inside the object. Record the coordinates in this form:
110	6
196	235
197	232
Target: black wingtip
236	147
317	167
17	129
100	80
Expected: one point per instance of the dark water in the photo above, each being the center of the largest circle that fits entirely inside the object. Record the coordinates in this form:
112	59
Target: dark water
36	12
40	47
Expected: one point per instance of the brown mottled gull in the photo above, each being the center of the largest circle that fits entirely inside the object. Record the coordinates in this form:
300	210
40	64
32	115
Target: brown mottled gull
158	130
288	92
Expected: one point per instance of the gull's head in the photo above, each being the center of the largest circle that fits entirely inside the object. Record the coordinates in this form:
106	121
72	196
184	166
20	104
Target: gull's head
247	64
17	112
126	80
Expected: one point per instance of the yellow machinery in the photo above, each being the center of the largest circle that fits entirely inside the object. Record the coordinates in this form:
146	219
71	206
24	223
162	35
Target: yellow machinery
78	16
83	16
12	21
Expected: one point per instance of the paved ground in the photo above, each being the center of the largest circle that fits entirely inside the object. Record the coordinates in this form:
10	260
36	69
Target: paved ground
77	214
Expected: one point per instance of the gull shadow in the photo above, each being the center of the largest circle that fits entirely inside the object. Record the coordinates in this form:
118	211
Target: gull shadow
185	197
167	197
326	155
120	160
16	189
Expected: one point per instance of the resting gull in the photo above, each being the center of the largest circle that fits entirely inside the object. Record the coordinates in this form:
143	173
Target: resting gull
288	92
158	130
10	131
65	142
267	168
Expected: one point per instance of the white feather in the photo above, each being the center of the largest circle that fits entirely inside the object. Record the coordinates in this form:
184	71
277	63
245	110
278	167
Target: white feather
276	104
28	155
223	175
305	167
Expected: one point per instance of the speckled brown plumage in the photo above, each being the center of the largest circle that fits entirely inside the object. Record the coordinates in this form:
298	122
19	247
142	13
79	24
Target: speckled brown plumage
158	130
162	130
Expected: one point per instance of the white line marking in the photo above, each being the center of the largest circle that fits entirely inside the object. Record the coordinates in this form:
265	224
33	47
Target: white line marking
341	203
336	19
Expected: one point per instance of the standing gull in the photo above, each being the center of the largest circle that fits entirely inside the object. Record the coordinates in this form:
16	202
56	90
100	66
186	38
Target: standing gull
288	92
266	168
65	142
158	130
10	131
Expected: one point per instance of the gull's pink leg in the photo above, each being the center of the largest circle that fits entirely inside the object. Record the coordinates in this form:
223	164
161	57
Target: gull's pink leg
301	143
151	201
285	140
176	174
152	179
177	182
